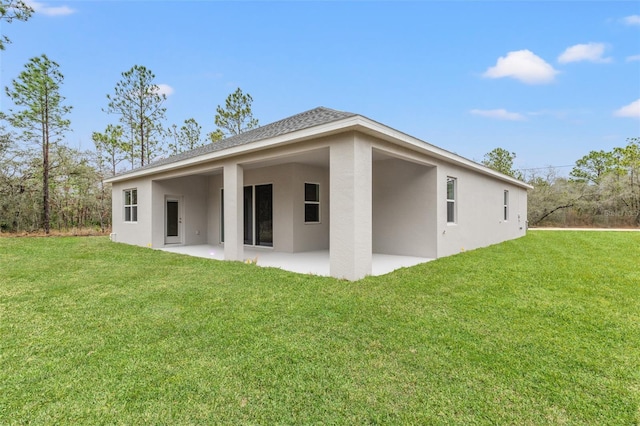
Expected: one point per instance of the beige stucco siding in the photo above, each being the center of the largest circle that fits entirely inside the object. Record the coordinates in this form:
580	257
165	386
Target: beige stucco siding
290	233
280	177
214	193
408	192
191	192
404	208
479	210
309	236
137	233
350	240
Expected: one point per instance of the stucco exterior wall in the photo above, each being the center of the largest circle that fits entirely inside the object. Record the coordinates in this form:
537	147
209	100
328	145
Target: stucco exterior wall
290	233
191	192
280	178
309	236
136	233
479	211
404	208
350	244
214	197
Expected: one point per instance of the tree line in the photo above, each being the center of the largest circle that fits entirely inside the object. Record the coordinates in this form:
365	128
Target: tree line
139	137
45	184
602	189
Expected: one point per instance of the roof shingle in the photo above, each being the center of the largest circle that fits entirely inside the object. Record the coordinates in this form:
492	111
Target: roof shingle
304	120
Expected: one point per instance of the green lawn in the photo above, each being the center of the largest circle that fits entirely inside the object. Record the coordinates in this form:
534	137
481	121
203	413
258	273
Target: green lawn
541	330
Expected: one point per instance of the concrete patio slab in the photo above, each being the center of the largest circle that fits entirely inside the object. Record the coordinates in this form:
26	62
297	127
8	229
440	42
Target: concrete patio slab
310	262
587	229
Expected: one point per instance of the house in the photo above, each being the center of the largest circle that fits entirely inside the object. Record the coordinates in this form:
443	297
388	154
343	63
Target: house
320	180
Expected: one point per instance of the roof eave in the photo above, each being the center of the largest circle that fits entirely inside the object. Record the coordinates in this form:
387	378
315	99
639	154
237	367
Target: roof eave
387	133
356	122
285	139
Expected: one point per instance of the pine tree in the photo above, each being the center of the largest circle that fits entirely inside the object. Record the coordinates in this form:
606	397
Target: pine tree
40	115
138	101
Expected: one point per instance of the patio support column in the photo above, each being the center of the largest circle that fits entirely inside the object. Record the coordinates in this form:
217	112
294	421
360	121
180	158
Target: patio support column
350	209
233	212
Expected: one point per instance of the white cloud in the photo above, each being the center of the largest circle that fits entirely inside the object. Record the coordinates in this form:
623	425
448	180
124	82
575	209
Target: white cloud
632	110
522	65
213	75
633	58
571	115
591	52
631	20
165	89
45	9
498	114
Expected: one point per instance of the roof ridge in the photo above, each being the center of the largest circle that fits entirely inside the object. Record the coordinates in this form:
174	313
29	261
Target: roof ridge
303	120
316	109
292	118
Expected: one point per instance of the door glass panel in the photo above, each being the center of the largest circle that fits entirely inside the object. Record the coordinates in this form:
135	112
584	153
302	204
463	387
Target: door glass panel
451	212
172	218
222	215
264	215
311	192
312	213
248	215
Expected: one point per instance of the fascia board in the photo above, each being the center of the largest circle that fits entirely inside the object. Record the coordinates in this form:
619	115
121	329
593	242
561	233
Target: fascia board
285	139
389	134
356	122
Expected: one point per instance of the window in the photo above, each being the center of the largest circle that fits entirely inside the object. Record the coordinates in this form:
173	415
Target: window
505	206
130	205
311	203
451	200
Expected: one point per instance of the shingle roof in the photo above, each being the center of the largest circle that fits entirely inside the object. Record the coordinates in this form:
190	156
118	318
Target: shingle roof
304	120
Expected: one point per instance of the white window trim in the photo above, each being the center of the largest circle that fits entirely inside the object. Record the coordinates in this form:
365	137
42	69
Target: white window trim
130	206
312	203
452	200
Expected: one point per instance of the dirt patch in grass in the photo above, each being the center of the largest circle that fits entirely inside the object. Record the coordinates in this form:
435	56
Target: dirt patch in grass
74	232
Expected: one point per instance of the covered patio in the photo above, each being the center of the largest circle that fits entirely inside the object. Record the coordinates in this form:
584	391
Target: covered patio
310	262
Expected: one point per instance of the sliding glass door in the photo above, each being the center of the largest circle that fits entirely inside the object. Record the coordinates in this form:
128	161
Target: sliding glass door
264	215
257	207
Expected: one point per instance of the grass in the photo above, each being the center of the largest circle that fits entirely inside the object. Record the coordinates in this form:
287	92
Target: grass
540	330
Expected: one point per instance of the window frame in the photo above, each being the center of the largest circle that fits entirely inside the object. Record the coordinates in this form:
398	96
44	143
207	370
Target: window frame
505	205
315	202
129	205
452	201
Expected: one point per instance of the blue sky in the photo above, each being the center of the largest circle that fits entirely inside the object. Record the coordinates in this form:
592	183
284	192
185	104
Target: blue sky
549	81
